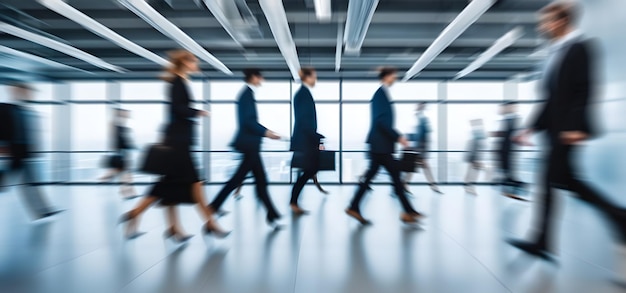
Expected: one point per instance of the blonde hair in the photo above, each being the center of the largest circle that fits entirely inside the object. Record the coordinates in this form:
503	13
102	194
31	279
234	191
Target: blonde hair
178	58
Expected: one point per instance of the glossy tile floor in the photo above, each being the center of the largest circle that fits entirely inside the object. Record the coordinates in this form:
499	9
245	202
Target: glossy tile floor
459	248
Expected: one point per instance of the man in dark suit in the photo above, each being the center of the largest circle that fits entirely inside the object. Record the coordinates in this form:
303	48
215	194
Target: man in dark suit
305	142
18	136
248	142
382	138
564	117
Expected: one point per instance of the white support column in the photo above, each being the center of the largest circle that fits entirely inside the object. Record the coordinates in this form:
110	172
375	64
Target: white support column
62	127
206	134
113	91
510	92
442	96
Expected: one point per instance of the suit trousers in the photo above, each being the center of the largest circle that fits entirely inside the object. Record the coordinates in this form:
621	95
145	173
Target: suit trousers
391	165
251	163
308	171
26	175
504	155
559	174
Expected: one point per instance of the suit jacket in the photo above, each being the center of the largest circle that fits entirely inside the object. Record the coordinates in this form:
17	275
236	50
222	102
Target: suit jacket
14	133
382	136
305	136
122	139
422	135
509	126
180	127
249	131
568	91
7	127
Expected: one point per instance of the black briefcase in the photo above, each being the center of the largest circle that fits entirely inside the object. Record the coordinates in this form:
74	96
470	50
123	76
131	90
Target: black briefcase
327	161
408	161
157	159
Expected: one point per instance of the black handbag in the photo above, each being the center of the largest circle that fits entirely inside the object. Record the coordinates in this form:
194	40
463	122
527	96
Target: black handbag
115	161
408	161
157	159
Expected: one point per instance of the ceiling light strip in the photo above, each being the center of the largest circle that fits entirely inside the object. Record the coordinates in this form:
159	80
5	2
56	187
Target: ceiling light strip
323	10
339	48
159	22
502	43
24	55
97	28
467	17
360	13
56	45
277	19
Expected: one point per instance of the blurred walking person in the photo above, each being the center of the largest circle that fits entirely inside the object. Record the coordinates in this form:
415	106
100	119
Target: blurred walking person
505	150
568	84
382	138
306	142
473	158
182	184
422	145
19	141
118	162
248	142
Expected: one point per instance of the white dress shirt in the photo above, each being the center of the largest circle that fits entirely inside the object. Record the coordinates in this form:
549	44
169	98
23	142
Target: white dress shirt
557	52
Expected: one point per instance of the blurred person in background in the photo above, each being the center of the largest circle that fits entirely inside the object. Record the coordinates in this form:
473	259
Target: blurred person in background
182	184
248	142
19	141
476	144
382	139
118	162
505	150
422	144
306	142
565	118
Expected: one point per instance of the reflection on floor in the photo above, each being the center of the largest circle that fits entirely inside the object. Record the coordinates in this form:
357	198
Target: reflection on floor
460	247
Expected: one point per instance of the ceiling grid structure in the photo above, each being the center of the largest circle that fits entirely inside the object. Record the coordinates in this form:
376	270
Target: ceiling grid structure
399	32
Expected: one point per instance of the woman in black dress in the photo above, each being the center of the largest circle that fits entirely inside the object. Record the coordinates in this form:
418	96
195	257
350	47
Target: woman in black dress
122	145
182	184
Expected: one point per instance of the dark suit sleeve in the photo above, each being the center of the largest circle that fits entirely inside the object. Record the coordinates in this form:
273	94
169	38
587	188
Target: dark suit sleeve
247	116
383	120
576	119
180	101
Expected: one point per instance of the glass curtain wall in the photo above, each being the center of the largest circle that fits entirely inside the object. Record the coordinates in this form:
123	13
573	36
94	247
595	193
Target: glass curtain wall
343	108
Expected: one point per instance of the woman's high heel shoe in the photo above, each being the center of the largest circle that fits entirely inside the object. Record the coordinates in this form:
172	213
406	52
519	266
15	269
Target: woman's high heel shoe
170	233
208	229
126	218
